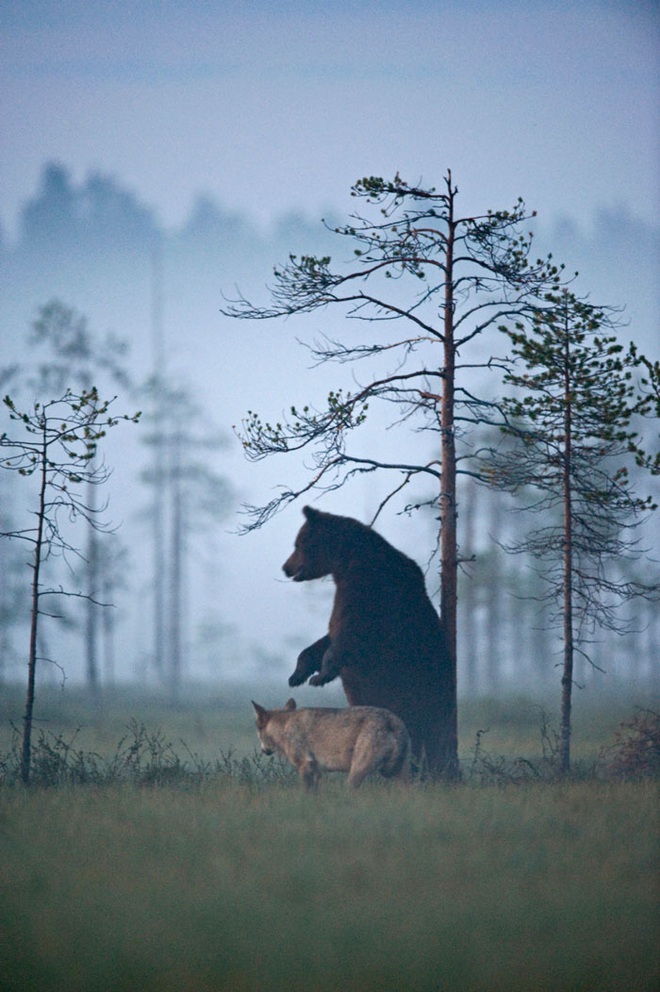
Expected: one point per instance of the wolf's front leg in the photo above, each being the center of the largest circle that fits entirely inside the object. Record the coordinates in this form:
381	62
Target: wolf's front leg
309	773
309	661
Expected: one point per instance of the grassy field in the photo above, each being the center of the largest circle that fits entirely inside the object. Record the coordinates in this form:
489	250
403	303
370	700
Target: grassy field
218	722
219	874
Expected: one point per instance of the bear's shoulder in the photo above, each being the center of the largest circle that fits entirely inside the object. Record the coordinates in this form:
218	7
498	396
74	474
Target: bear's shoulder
364	549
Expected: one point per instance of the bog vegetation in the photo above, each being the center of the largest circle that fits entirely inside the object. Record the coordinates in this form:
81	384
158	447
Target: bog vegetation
157	849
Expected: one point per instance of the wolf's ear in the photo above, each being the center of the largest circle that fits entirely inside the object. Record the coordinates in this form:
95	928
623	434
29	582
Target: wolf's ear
290	704
262	715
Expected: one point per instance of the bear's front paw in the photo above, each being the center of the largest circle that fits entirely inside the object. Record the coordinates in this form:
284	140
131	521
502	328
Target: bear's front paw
321	678
296	679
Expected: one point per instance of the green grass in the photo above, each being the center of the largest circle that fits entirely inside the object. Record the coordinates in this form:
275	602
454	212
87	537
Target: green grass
210	724
206	724
227	887
219	874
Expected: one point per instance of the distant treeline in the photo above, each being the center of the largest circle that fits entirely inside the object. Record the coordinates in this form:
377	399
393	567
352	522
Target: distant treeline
102	216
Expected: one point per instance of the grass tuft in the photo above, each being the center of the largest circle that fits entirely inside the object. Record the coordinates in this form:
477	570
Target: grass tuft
141	757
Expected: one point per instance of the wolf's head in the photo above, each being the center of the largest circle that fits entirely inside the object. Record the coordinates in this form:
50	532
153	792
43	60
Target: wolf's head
267	727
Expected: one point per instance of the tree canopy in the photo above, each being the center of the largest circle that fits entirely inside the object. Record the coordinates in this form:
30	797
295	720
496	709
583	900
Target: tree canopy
428	283
573	423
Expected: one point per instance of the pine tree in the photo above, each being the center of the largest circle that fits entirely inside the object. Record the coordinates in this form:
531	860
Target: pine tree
428	282
573	421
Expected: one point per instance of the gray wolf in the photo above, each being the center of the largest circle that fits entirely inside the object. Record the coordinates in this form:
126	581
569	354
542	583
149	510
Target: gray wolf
359	740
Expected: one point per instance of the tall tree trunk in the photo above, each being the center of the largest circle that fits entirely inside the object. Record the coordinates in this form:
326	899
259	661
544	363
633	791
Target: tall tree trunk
160	458
448	514
34	623
109	646
494	604
175	612
159	552
108	620
468	608
567	674
92	577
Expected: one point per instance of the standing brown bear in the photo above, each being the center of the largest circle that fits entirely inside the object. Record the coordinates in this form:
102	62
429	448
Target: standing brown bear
385	640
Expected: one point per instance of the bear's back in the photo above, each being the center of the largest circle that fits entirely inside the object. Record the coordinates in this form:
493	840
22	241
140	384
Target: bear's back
381	598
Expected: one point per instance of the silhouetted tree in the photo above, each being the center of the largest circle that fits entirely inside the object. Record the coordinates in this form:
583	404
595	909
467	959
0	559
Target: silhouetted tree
49	223
113	560
188	496
57	449
571	422
66	220
112	217
447	279
72	353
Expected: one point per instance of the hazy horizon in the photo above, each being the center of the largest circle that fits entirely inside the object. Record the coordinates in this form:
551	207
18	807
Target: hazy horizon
272	109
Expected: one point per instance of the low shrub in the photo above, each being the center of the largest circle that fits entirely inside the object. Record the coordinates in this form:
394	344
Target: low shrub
635	752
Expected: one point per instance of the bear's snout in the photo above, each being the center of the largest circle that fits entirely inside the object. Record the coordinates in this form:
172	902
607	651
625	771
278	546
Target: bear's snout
293	570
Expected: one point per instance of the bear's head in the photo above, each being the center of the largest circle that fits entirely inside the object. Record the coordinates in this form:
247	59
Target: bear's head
315	547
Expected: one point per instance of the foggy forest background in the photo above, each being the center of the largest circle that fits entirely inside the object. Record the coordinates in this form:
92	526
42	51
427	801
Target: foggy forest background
155	295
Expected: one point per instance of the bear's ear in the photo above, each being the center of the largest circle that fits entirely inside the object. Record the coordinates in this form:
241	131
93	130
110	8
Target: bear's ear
311	513
290	704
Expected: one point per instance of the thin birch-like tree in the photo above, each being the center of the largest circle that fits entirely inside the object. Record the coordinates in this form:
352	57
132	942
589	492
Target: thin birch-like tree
56	450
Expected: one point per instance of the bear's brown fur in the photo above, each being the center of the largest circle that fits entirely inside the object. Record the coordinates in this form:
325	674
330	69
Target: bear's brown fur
385	639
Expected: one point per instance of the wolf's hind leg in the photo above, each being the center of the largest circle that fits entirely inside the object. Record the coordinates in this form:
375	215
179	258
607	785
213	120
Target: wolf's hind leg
362	763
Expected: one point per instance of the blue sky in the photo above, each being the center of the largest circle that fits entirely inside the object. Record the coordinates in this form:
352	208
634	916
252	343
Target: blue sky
273	107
